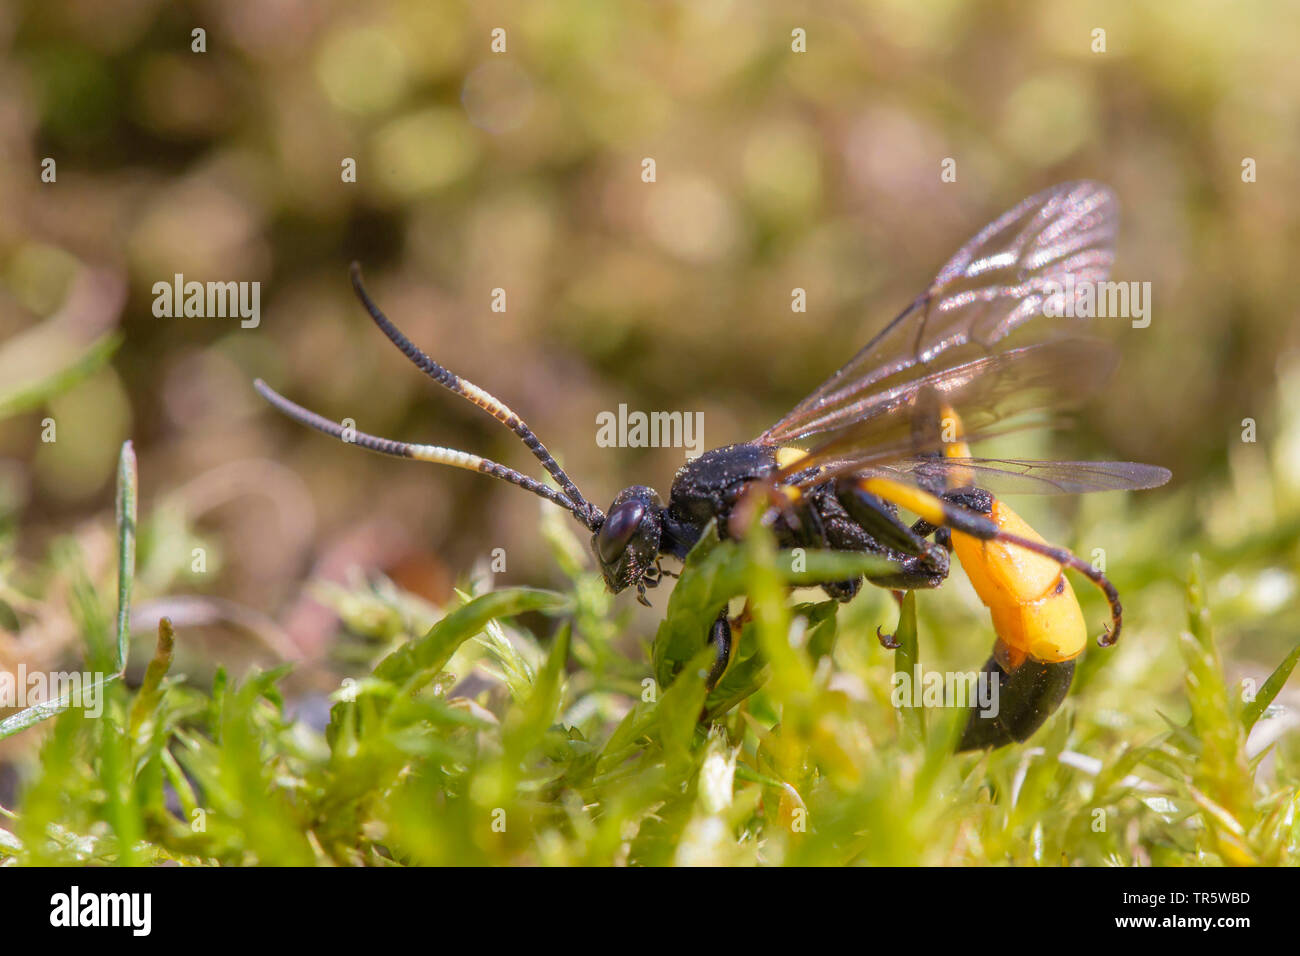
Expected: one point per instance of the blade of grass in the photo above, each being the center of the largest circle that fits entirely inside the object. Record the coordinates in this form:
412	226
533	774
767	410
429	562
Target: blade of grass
1276	681
127	484
146	701
126	521
435	649
906	655
31	395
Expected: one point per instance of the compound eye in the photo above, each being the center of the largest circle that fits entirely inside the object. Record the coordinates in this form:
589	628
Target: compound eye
617	531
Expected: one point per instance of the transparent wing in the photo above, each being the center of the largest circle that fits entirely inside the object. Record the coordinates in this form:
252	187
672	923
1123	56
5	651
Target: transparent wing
963	325
1015	476
992	395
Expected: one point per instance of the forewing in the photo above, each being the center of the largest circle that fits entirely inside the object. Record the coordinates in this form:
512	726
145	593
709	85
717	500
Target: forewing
992	395
986	292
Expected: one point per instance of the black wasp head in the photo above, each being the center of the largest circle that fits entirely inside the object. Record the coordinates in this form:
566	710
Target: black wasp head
627	544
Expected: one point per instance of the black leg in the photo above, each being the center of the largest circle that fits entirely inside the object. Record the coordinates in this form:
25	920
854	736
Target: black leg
720	639
973	499
822	523
879	518
923	564
916	574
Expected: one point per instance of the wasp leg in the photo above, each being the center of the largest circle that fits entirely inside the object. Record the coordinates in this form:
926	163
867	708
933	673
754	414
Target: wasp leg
1036	616
973	499
837	531
842	591
818	521
911	572
922	564
990	528
720	639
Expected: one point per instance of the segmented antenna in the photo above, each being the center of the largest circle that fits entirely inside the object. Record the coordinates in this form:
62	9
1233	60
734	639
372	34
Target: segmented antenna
586	512
431	453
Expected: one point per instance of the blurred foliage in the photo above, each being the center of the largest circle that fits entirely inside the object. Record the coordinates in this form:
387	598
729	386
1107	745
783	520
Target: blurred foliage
264	543
550	765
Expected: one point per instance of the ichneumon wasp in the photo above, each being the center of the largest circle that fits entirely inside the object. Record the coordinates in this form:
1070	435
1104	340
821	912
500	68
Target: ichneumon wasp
972	357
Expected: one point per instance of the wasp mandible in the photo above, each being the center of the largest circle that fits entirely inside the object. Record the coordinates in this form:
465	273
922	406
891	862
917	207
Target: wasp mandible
972	357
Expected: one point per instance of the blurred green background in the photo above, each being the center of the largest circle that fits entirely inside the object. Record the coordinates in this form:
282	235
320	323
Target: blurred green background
522	170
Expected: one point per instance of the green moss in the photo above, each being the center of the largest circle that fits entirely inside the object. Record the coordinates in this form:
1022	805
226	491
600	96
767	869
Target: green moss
803	760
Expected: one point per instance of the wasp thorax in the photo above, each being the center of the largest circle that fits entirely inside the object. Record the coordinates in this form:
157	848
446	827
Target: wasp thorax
627	544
